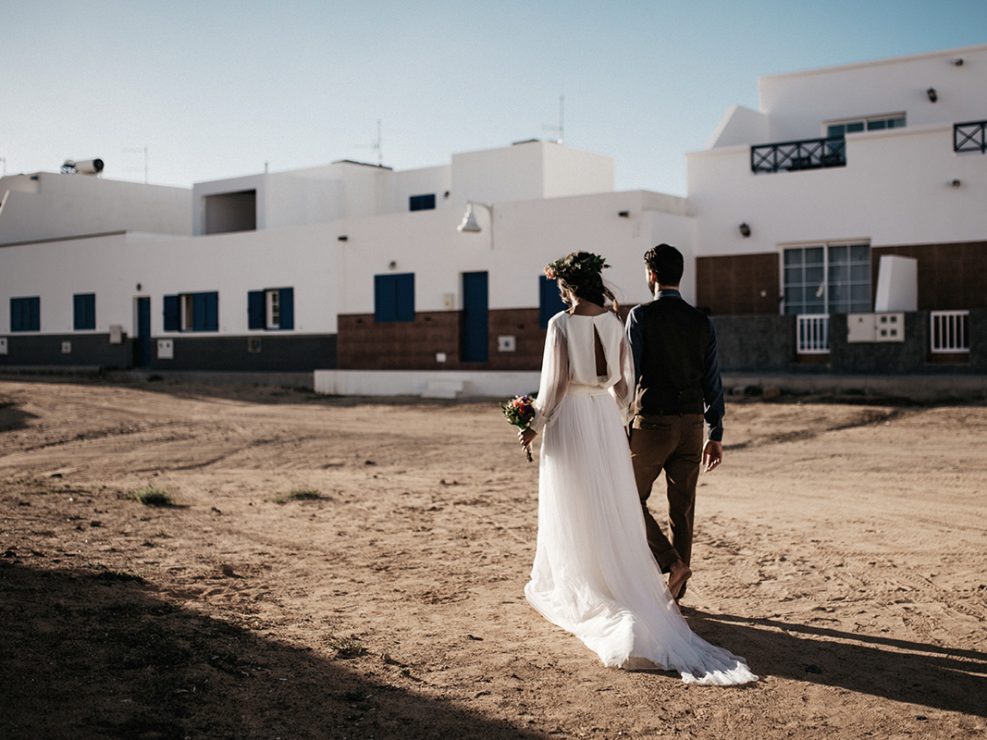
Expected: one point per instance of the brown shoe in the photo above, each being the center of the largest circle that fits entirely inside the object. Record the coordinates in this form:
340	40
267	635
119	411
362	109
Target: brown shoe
677	578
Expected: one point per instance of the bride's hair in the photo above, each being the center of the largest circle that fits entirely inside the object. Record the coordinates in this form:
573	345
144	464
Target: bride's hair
581	273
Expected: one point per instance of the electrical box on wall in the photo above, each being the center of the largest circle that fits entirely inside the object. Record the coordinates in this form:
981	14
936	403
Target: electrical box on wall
506	344
166	349
860	327
3	345
66	348
449	301
875	327
890	327
253	344
116	334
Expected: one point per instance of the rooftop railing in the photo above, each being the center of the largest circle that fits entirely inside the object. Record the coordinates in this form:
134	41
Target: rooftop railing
970	137
793	156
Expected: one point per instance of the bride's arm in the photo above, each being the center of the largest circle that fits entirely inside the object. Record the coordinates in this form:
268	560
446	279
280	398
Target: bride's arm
623	389
554	376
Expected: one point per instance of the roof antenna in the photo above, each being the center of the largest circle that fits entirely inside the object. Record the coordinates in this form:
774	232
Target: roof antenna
559	130
377	146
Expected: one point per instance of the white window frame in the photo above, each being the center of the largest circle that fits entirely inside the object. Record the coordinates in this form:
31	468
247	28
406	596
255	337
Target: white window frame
187	307
866	121
272	309
783	308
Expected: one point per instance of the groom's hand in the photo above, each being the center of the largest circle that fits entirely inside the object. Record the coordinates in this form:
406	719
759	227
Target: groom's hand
712	455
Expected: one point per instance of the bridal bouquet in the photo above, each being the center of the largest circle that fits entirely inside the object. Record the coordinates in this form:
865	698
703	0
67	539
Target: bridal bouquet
520	411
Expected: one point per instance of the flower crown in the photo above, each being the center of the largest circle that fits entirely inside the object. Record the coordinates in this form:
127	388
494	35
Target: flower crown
576	268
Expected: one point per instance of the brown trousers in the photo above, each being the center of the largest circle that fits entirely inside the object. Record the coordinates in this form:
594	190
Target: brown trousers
673	443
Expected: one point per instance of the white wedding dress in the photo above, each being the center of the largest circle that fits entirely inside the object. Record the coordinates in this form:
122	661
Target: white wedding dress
594	574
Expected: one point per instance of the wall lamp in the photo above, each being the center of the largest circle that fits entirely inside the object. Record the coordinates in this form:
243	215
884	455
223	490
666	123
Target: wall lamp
342	238
392	265
745	230
958	62
933	95
470	225
624	214
956	183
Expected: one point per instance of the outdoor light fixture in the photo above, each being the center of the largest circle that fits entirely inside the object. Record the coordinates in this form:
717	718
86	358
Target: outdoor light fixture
624	214
933	95
343	238
745	230
138	287
958	62
956	183
392	265
469	223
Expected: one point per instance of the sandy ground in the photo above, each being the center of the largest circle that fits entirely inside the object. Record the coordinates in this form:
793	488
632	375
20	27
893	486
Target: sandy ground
841	549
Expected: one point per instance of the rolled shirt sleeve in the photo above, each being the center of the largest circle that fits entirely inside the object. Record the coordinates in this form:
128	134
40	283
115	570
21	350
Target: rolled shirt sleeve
713	390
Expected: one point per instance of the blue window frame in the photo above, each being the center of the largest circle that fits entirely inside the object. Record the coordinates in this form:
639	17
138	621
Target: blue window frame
549	300
271	308
84	311
25	314
191	312
394	297
422	202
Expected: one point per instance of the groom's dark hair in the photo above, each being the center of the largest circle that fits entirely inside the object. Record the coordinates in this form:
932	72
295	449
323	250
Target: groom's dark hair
666	262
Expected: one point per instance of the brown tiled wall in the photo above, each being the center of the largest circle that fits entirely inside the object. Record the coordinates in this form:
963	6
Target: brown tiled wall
363	344
732	284
950	276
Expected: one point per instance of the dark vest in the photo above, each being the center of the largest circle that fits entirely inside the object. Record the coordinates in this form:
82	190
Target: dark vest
676	337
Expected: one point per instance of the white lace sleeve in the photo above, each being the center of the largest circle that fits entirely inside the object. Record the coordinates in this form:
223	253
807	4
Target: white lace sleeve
623	389
554	376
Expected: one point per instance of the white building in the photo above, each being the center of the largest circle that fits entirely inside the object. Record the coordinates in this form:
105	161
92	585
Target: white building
357	268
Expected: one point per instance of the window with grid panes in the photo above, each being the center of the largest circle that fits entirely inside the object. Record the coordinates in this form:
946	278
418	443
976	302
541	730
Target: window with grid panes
830	278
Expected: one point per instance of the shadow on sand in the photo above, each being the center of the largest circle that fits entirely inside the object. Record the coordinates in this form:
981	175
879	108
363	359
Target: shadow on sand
86	655
929	675
13	417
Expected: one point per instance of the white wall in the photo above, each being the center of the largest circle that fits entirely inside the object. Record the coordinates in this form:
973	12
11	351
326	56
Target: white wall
894	190
233	264
527	236
405	183
797	103
56	206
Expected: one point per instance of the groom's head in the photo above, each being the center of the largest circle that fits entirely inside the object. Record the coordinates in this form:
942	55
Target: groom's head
664	266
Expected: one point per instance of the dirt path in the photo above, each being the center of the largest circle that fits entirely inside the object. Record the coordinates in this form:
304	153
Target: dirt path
841	549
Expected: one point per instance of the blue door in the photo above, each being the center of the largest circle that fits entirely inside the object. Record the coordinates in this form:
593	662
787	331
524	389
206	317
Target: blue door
143	344
474	340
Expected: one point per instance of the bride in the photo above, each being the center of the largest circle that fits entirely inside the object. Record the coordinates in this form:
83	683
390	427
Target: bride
593	573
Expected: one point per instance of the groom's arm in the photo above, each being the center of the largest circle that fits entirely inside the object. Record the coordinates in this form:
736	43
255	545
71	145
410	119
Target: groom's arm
713	390
635	337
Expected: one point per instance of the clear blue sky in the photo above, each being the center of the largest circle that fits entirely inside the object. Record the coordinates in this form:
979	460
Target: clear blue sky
214	88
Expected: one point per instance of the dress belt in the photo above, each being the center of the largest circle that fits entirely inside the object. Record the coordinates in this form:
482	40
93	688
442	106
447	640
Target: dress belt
577	389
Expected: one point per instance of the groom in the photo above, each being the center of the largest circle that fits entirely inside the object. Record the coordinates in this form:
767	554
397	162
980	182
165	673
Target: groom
678	385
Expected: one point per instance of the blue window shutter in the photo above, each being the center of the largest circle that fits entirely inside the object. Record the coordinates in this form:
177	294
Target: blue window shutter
84	311
421	202
549	300
78	309
16	322
172	313
198	311
212	311
256	310
385	298
287	301
405	298
35	308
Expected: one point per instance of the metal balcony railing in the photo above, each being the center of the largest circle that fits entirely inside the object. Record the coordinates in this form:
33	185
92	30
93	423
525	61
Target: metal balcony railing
792	156
970	137
949	331
812	333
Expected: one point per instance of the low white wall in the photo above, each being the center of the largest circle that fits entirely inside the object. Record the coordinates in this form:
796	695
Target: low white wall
476	384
